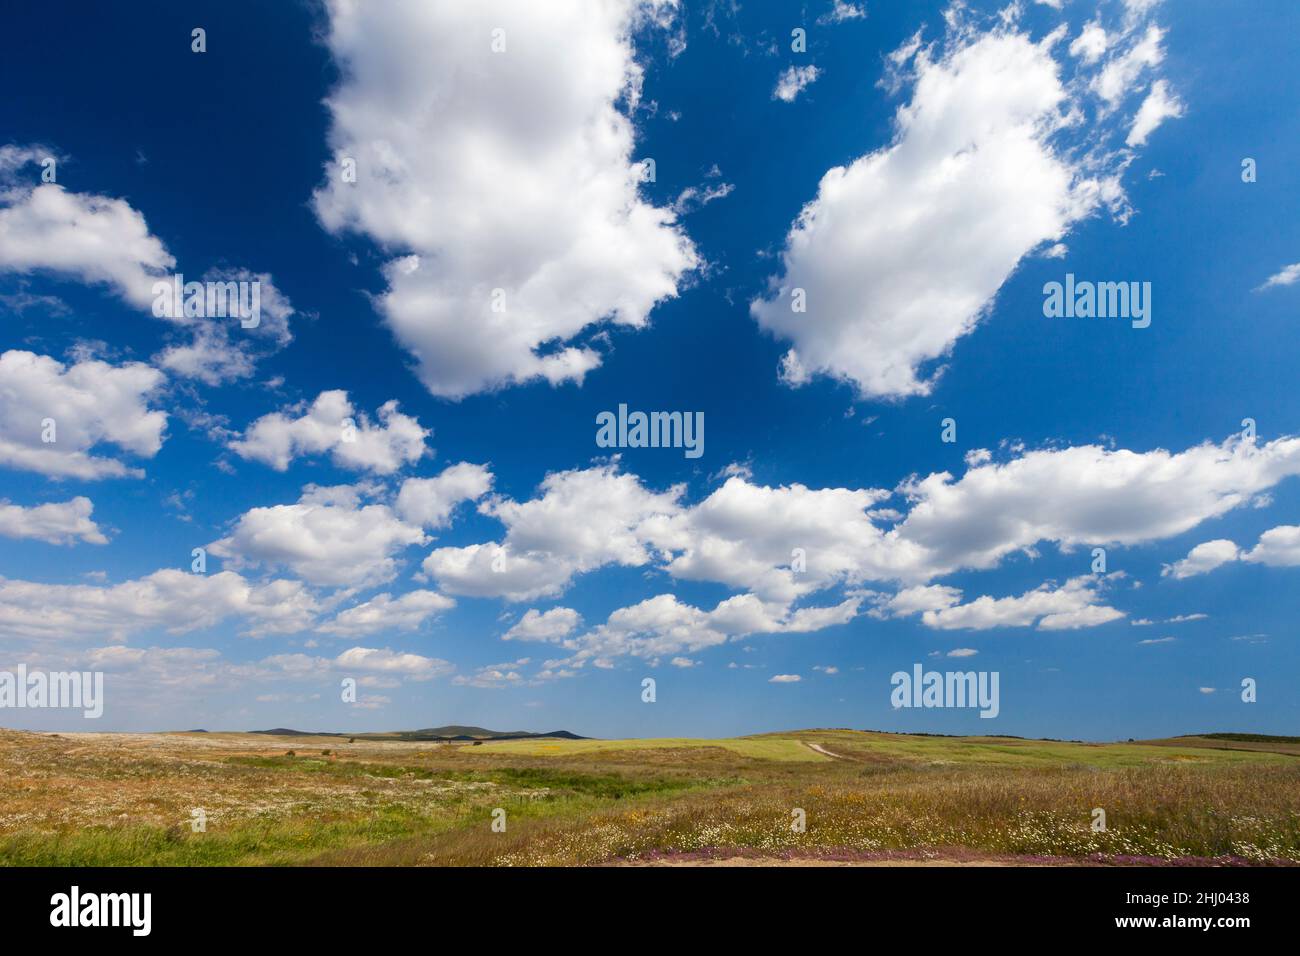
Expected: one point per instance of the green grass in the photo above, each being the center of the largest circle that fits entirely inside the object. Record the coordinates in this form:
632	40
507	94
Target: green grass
759	748
556	783
270	843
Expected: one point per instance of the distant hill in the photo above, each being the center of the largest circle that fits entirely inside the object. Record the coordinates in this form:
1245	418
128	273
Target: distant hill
1249	738
1260	743
458	732
450	733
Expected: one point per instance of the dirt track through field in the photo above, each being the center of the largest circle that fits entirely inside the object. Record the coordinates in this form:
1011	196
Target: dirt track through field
823	751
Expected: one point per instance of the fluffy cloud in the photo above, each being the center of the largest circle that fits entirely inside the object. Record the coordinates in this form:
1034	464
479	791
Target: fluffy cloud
842	10
658	626
784	543
794	81
429	502
221	350
742	535
553	625
1085	495
103	241
92	239
583	520
384	661
1121	73
1159	106
1202	559
1277	547
902	251
209	356
1091	42
386	613
331	424
62	522
509	171
497	675
745	535
176	674
91	403
329	537
169	600
1072	606
663	626
920	599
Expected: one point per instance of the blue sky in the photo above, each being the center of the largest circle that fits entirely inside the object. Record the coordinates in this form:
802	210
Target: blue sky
948	162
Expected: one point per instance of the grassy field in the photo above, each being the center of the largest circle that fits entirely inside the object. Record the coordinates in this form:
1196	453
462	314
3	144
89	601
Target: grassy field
127	799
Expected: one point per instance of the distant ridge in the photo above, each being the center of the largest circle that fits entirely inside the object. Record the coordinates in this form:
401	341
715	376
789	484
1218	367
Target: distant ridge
286	732
452	732
457	732
1247	738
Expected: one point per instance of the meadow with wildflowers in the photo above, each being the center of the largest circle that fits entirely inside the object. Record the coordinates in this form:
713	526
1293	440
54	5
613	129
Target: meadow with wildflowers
830	796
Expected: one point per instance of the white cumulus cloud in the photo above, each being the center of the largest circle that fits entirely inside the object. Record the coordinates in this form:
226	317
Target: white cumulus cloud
553	625
902	251
506	181
331	424
329	537
83	407
1068	607
62	522
169	600
1203	558
1279	547
91	239
429	502
378	660
387	613
582	521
